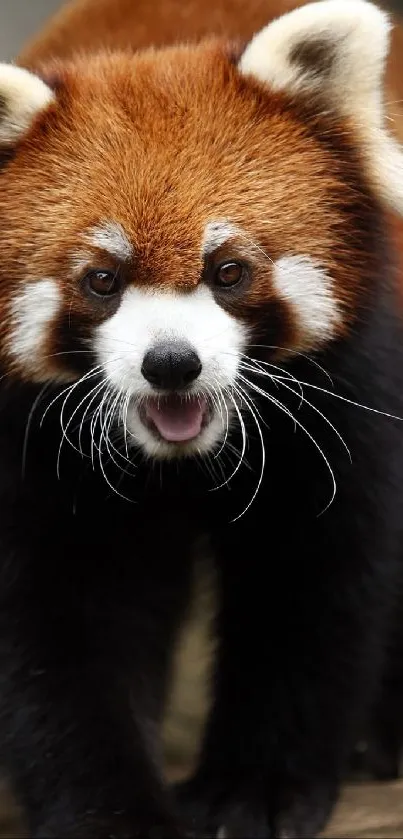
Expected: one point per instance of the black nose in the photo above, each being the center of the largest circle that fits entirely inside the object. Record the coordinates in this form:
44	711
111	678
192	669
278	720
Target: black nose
171	365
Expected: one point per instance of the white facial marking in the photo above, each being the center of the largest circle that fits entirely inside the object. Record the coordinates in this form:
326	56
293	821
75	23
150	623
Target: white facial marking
111	237
146	318
308	290
24	95
33	311
216	233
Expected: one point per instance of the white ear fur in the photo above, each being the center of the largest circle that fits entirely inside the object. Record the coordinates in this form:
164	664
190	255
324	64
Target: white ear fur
22	96
337	49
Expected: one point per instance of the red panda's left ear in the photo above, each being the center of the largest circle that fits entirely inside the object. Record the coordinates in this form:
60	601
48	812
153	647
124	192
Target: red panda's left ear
336	50
22	96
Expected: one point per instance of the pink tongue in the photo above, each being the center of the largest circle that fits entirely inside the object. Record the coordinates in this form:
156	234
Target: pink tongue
177	420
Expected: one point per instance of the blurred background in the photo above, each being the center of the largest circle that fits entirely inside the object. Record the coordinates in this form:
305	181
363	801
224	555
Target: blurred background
20	18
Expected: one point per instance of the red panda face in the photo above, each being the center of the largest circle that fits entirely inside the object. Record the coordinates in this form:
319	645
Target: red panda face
168	215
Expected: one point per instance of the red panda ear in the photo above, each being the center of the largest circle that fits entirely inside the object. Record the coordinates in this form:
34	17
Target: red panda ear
336	50
22	96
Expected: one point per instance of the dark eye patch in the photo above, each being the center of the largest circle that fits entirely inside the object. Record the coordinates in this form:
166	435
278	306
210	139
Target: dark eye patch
71	344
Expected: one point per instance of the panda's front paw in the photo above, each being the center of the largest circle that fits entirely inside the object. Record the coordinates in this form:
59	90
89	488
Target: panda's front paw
301	811
223	807
229	808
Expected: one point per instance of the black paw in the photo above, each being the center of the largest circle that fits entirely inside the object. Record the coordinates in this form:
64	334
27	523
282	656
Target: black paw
231	810
303	812
221	810
102	826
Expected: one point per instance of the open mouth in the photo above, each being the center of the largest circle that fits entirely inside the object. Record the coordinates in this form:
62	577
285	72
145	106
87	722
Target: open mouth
175	418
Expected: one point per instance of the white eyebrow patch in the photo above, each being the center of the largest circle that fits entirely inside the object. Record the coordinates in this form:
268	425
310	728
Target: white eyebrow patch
33	311
308	290
110	236
216	233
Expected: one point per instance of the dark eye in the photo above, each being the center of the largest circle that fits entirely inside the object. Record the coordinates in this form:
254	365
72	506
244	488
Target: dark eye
103	283
229	274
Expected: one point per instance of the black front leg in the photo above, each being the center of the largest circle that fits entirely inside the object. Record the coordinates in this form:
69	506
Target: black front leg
303	608
87	616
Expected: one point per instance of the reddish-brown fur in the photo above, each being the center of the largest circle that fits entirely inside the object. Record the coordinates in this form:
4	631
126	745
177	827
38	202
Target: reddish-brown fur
106	152
133	135
84	25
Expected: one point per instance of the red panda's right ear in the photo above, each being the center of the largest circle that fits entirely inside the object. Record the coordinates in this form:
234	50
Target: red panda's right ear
22	96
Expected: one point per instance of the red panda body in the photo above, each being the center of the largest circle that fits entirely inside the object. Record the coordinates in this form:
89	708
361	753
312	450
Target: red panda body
199	291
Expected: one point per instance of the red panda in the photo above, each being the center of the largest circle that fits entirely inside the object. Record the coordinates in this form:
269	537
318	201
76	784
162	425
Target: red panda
199	291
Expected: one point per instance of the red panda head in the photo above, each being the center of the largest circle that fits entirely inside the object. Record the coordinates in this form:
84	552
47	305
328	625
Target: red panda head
164	215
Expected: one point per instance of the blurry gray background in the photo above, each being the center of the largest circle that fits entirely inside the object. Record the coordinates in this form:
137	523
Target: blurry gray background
21	18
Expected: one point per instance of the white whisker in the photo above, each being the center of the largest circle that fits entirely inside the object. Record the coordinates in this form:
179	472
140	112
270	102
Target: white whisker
97	388
95	393
286	410
89	374
351	401
325	419
243	432
285	382
109	416
254	415
293	353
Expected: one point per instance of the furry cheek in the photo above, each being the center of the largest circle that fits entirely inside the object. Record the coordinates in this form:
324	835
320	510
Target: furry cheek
308	292
33	313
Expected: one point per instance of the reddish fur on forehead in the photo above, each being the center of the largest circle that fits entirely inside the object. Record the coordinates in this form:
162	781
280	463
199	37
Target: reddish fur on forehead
88	25
161	142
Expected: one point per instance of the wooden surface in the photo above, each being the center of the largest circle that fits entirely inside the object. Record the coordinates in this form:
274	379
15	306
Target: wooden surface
369	811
